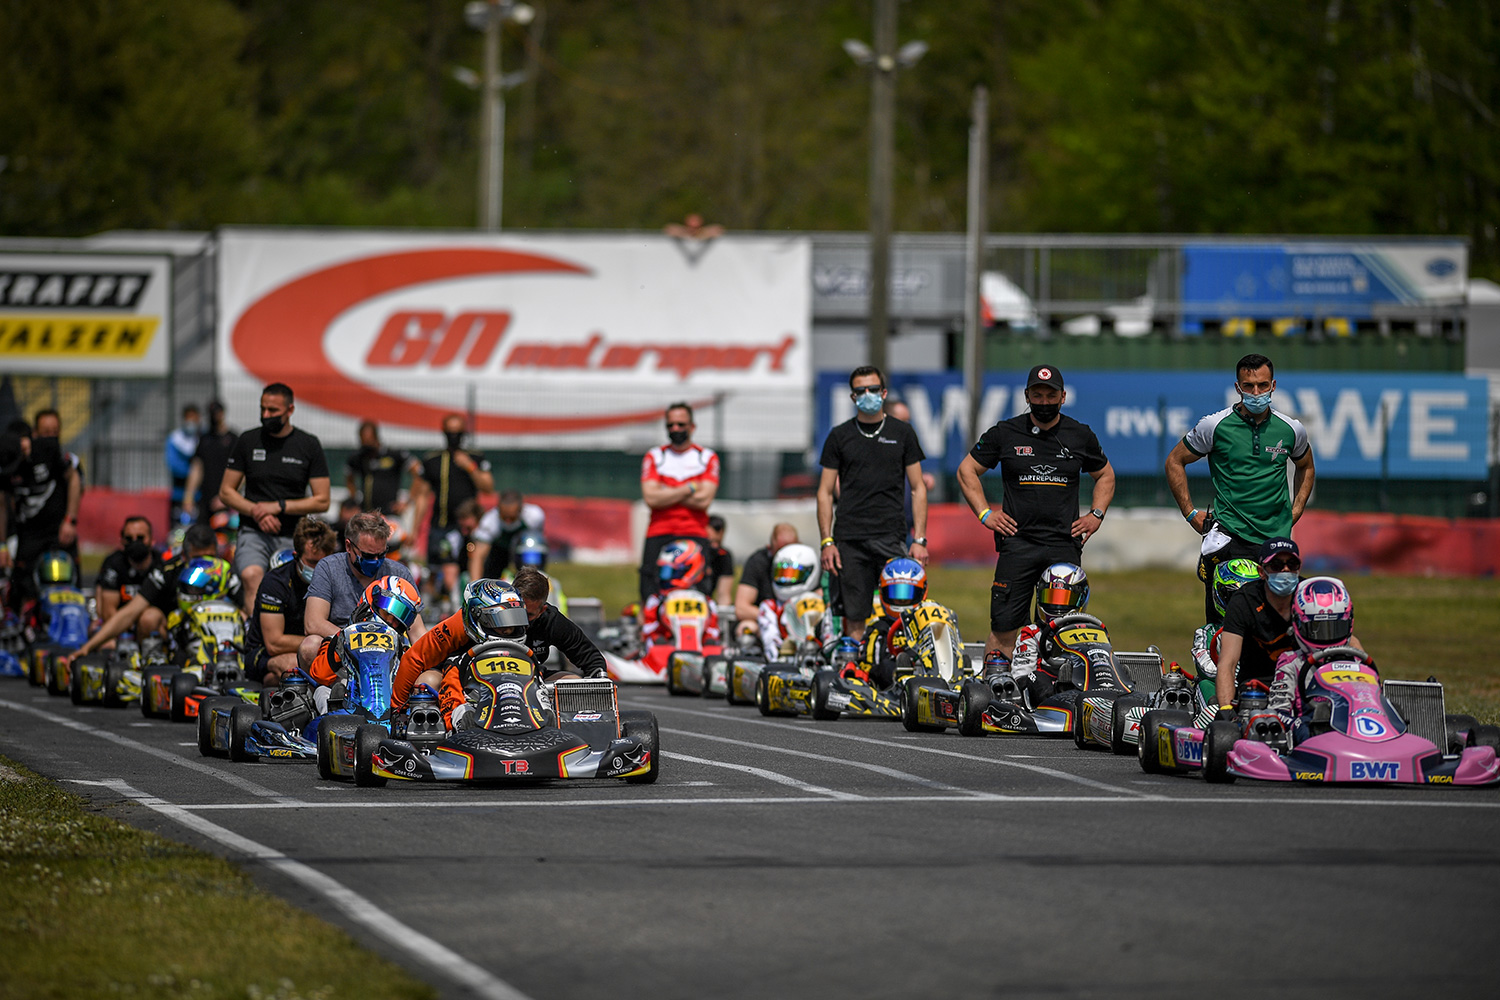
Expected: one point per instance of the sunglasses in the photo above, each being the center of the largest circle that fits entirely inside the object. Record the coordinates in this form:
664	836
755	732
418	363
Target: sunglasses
1283	565
361	554
678	427
135	538
869	390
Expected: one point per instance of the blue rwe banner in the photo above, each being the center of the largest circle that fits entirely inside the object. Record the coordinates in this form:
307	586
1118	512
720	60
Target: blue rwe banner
1427	426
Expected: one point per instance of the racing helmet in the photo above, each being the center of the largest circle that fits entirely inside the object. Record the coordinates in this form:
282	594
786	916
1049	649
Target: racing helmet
282	558
207	578
493	610
54	568
529	549
681	564
1231	576
397	598
1062	589
794	571
1322	613
903	585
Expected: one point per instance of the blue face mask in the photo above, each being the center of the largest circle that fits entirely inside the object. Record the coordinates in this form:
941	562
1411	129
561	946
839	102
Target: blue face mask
1256	404
305	571
868	403
367	566
1282	584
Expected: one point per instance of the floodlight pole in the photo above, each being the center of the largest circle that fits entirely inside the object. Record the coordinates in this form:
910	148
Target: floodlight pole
979	159
492	129
882	170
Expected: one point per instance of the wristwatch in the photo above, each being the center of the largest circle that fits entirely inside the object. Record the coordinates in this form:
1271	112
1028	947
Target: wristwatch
283	505
922	541
1097	513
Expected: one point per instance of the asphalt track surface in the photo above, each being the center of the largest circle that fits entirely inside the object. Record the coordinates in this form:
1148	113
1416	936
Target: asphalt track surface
780	857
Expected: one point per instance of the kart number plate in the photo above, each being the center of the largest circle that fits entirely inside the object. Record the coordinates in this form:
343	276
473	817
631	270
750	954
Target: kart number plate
66	597
1347	677
371	640
809	605
686	607
928	614
493	666
1077	636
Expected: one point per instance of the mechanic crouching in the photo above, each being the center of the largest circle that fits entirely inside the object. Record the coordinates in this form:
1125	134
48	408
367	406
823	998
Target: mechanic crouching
494	609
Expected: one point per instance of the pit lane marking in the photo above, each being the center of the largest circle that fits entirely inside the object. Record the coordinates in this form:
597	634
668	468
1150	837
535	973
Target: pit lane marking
889	772
443	960
824	731
760	772
222	775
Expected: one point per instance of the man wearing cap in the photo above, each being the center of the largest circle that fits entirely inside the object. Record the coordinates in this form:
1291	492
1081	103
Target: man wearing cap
1041	454
1247	446
1258	621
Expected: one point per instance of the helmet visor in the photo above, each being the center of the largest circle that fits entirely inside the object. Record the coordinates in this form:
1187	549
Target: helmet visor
1327	631
1059	597
397	607
899	594
494	620
532	557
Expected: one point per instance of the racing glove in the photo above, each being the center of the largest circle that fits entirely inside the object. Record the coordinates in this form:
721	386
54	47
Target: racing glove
462	717
320	699
1226	713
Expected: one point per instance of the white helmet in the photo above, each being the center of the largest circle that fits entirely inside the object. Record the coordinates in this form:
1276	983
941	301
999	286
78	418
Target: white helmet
794	572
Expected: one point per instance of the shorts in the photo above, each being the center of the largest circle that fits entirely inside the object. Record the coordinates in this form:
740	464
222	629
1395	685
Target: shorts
256	661
1018	567
255	548
862	560
440	550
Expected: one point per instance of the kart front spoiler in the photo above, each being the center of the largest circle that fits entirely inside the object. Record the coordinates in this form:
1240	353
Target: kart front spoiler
480	755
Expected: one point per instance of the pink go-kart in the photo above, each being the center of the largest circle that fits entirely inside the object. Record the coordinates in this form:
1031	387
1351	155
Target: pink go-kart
1351	728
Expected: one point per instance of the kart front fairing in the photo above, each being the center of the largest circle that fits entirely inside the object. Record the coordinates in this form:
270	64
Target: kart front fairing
1081	662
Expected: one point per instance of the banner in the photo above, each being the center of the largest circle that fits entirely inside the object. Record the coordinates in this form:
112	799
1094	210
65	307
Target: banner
575	342
85	314
1419	426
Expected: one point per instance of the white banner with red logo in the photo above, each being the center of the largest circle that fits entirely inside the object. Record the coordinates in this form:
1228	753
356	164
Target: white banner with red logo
559	341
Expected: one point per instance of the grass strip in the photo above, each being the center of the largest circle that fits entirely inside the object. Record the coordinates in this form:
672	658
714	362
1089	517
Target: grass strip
1415	627
92	907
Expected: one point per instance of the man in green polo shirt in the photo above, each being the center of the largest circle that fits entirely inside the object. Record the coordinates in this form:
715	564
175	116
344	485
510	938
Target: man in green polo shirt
1247	446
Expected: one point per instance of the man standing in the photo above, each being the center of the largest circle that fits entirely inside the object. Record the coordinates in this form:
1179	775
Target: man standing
447	479
268	478
44	487
126	568
720	563
869	456
1041	455
678	482
276	630
373	473
490	554
1247	446
338	584
200	497
181	444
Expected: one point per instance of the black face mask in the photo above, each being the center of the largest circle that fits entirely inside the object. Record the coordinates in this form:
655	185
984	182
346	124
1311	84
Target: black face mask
678	438
455	439
137	550
272	425
1045	413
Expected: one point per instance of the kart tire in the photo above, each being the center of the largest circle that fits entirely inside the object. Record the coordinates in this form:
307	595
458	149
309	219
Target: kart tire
148	708
1461	730
642	726
114	676
182	686
325	750
729	693
822	685
763	694
1146	750
205	731
241	717
55	667
1080	739
366	741
672	688
909	688
1217	741
1487	736
1119	713
75	685
974	699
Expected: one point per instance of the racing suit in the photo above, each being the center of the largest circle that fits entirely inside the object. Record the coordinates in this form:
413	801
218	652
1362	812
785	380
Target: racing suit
656	632
773	633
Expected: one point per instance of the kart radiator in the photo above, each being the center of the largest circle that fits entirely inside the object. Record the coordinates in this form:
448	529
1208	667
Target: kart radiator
1420	704
572	696
1140	666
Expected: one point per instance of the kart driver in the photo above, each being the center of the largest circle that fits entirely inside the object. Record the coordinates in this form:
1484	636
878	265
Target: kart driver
493	609
1063	589
795	573
389	599
681	565
901	586
1322	618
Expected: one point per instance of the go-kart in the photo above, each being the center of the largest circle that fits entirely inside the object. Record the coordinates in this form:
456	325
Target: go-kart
1179	691
66	611
208	661
744	665
690	665
15	655
523	730
112	677
1089	676
1349	731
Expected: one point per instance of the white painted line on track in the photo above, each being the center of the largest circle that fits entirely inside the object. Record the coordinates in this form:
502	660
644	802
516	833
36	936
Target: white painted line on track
760	772
889	772
816	730
175	758
419	946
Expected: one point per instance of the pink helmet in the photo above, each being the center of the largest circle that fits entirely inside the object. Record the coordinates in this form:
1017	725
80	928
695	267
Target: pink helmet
1322	613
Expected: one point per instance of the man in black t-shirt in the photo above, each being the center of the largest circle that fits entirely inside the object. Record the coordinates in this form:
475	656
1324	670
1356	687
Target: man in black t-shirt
42	488
126	568
448	478
1041	455
755	577
720	581
869	457
1258	621
373	474
276	630
268	478
200	497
